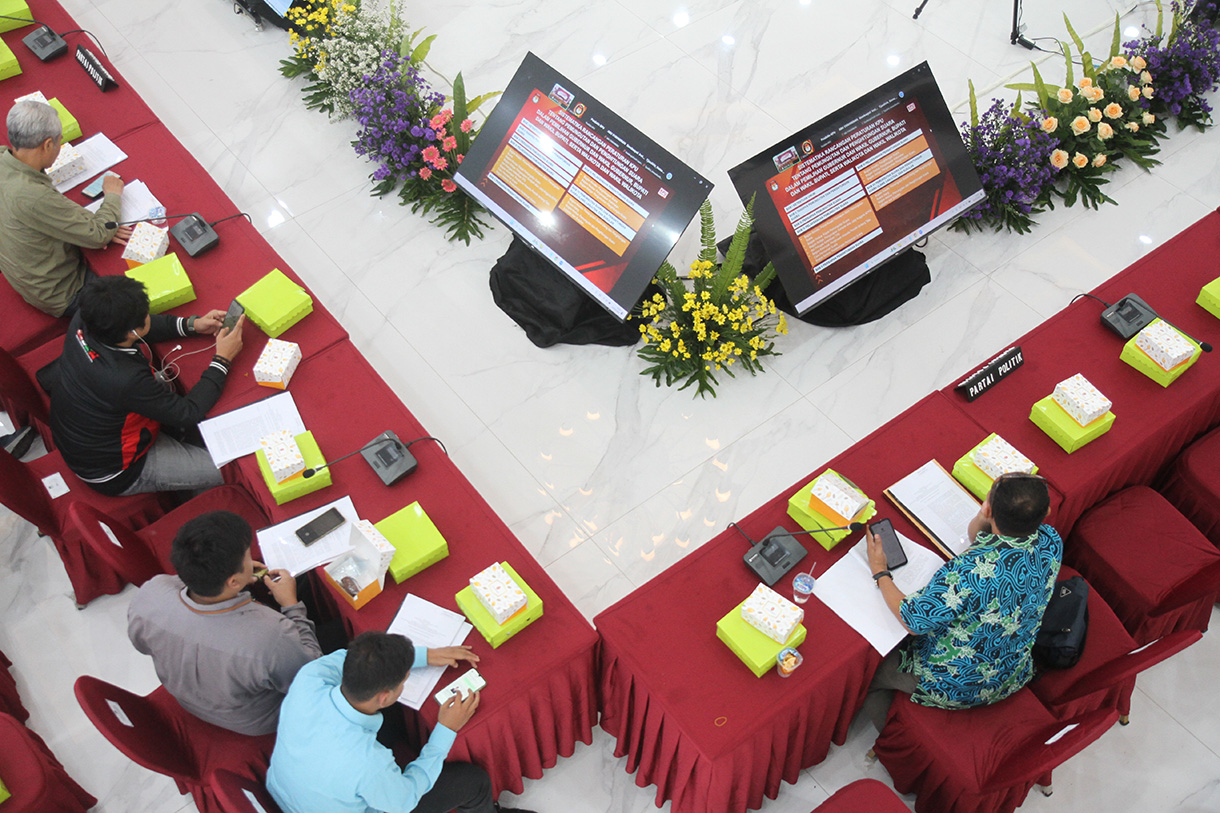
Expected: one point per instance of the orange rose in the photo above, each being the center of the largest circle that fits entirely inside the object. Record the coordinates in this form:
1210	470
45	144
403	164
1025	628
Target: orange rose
1138	63
1133	126
1059	159
1149	118
1100	160
1114	110
1085	82
1118	62
1145	78
1079	161
1105	131
1094	115
1050	124
1148	92
1133	93
1064	95
1080	125
1093	94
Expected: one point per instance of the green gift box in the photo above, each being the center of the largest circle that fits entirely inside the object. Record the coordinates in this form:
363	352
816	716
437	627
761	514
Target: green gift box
807	518
9	66
166	281
71	125
415	538
297	486
976	481
755	648
1143	362
275	303
1052	419
4	794
477	614
14	8
1209	297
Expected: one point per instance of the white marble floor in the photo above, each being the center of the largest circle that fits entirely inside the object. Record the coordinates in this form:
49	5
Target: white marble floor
606	479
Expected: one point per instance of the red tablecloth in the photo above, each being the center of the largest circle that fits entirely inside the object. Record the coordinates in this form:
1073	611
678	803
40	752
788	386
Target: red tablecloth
1152	424
691	718
541	692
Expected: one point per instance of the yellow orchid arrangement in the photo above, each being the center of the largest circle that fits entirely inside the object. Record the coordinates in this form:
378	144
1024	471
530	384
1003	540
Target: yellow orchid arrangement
713	320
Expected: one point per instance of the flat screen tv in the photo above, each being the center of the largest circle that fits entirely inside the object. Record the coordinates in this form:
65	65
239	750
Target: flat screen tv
591	194
839	198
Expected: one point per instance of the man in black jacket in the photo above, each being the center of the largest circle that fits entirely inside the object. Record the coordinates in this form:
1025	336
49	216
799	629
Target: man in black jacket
108	404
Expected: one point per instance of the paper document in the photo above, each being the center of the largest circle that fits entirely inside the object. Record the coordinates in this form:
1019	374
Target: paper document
100	154
137	202
282	549
237	433
848	589
426	624
932	498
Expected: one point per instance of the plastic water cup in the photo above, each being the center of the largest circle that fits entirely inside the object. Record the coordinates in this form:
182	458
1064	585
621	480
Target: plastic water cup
156	216
787	661
802	587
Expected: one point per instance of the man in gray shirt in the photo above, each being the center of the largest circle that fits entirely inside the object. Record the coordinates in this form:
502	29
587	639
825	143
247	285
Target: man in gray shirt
226	658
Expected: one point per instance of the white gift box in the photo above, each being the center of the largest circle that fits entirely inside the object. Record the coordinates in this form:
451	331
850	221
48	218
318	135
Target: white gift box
772	614
997	456
1164	345
283	455
498	593
147	243
277	363
36	96
837	495
69	164
1081	400
369	543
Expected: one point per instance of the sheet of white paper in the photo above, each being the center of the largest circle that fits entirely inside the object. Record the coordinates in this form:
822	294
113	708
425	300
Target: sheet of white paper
426	624
282	549
100	154
1062	732
55	485
137	202
254	803
933	496
237	433
849	590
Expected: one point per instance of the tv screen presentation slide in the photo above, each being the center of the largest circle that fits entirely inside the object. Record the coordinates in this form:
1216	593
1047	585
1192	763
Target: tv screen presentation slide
839	198
591	194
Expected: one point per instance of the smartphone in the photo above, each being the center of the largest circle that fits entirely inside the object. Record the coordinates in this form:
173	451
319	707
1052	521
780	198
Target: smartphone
319	527
233	314
95	187
469	682
894	557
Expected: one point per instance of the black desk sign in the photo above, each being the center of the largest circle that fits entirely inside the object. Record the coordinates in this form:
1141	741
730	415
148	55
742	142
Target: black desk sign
96	70
985	377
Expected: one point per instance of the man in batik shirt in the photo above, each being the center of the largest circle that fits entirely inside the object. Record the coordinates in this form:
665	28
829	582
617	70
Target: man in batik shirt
973	625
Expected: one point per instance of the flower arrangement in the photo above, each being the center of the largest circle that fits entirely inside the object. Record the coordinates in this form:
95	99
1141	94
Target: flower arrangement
1186	64
1011	154
722	318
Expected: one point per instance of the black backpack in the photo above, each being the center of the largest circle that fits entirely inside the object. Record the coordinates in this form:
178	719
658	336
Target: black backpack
1065	625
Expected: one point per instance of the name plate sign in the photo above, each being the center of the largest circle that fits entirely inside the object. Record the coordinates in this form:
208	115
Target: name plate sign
95	69
987	376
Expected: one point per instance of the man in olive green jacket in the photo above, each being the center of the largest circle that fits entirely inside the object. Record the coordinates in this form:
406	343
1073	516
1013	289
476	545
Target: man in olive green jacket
41	230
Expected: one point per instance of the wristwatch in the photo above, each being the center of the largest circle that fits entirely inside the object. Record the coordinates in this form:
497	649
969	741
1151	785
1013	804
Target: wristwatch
877	577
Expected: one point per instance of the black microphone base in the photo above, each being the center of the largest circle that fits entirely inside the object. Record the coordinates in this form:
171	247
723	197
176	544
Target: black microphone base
45	44
391	461
195	235
775	555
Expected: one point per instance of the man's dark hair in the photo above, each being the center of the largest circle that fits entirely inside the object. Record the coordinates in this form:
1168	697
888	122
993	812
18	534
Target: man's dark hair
209	549
113	306
376	662
1019	504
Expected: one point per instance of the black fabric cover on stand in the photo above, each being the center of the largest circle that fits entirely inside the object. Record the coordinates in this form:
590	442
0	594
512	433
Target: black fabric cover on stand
549	307
866	300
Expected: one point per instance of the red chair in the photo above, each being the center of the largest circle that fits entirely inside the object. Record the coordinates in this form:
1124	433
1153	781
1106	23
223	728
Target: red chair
22	490
1158	573
980	760
156	733
863	796
231	790
33	775
21	396
138	555
24	326
10	699
1194	485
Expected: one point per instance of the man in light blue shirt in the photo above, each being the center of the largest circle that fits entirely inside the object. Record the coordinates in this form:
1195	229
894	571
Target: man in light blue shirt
327	758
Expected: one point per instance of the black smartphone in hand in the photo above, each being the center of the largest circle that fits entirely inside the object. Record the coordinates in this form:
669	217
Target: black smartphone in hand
232	315
894	555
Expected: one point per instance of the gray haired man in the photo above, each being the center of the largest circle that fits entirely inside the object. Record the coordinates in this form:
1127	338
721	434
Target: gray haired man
41	231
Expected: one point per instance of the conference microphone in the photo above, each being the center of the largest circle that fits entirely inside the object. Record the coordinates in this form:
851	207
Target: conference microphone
380	439
114	224
778	552
44	43
193	233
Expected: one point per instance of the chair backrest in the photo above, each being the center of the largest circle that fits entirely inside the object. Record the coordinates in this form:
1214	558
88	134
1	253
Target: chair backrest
19	394
135	726
1048	747
1202	584
25	496
241	794
24	773
863	795
1116	670
121	548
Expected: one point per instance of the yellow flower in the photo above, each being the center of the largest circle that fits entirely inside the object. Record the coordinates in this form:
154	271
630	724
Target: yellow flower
1094	115
1118	61
1099	159
1064	95
1080	125
1113	110
1138	63
1080	161
1148	91
1085	82
1093	94
1149	118
1104	132
1050	124
1133	93
1145	78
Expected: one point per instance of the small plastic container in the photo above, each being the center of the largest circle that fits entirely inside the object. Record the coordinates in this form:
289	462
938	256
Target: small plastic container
788	661
802	587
